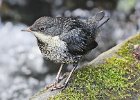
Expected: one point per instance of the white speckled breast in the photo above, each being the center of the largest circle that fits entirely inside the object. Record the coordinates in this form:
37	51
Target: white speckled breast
54	49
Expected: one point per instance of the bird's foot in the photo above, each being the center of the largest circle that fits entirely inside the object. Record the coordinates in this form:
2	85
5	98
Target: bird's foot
50	86
59	86
55	85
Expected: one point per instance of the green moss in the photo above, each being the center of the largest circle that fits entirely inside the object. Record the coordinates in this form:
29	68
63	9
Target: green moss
117	78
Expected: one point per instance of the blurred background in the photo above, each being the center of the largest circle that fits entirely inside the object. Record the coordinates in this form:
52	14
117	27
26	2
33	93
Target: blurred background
23	71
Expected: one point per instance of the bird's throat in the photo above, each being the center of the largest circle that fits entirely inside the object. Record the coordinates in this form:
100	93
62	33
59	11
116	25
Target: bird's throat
42	38
53	41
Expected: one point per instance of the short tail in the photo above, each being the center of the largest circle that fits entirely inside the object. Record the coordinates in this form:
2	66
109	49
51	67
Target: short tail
98	20
103	18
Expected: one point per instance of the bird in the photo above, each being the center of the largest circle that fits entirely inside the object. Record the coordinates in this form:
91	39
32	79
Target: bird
66	40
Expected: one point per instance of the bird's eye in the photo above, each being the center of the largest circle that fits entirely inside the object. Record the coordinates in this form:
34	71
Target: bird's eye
41	28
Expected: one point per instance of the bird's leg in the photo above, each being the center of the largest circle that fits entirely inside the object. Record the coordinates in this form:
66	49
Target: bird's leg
67	80
57	79
63	76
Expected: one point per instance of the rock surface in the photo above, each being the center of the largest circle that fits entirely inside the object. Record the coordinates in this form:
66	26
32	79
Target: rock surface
115	74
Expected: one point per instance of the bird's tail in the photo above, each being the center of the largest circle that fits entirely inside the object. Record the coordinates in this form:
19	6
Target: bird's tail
98	20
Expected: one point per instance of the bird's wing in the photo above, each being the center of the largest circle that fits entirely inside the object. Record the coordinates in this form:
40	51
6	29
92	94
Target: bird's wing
80	37
78	42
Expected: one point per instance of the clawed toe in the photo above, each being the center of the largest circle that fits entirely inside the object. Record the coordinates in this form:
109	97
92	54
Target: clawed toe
55	88
58	86
50	85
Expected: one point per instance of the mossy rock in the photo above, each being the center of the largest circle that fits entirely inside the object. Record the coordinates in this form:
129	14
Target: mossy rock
113	75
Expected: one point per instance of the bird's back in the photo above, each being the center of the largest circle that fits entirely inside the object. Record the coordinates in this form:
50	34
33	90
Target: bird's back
80	36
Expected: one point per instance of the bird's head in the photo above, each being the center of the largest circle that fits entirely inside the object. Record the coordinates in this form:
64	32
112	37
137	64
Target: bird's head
42	26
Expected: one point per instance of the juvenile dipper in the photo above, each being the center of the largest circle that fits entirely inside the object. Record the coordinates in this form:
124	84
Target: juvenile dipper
66	39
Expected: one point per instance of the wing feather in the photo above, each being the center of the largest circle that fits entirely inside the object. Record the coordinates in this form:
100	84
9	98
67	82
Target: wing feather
78	42
80	37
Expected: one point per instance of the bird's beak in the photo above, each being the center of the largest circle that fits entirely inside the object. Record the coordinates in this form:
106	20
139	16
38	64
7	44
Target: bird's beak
27	30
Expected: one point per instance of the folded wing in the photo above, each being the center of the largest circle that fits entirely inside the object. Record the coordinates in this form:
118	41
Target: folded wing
81	36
